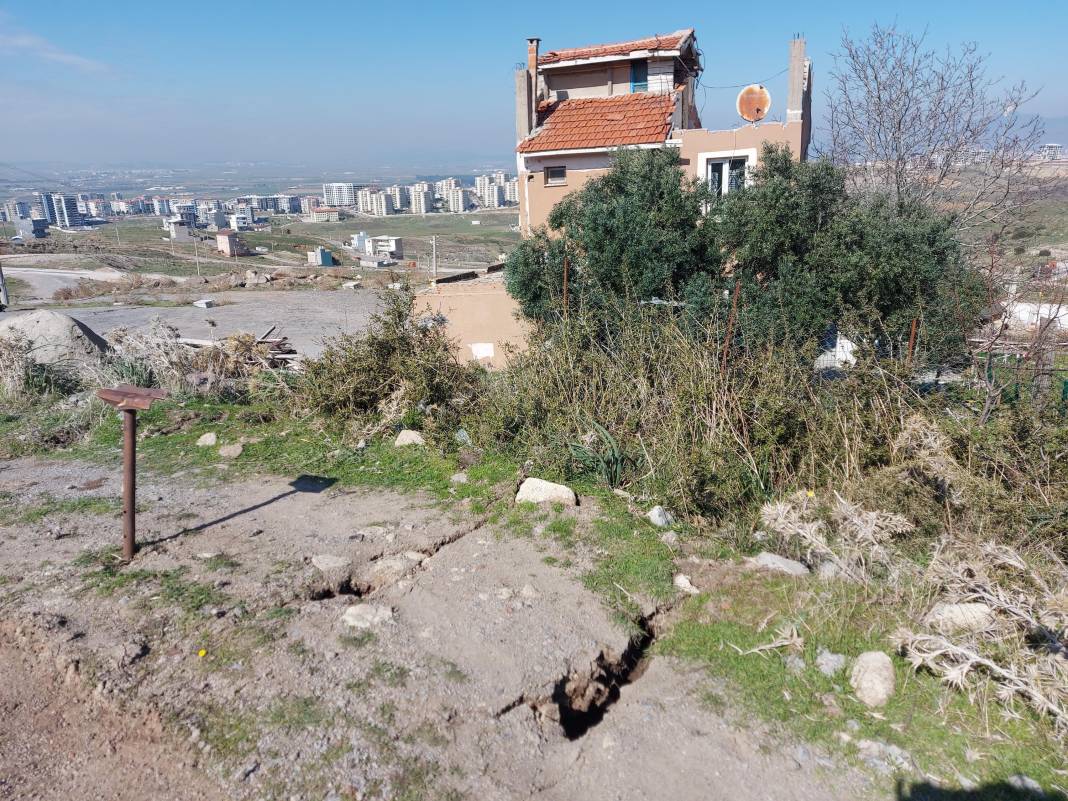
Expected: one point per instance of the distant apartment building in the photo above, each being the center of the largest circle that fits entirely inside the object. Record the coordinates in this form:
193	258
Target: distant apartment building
185	210
381	204
161	206
499	177
320	257
98	209
287	204
422	186
339	194
422	201
323	214
43	207
511	191
116	196
493	197
456	199
309	202
576	107
1050	152
242	219
444	186
66	211
365	200
400	197
17	209
35	228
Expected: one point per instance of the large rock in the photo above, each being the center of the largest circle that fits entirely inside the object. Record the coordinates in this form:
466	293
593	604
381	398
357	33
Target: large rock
536	490
408	437
780	564
660	517
366	616
55	338
387	570
957	618
872	678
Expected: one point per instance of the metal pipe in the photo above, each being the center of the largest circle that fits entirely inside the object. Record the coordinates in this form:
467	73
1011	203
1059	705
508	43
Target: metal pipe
129	483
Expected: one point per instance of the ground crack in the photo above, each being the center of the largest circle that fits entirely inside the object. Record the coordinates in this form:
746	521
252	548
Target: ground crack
580	699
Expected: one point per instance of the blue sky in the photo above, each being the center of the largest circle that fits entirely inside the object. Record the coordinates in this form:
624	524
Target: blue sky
405	85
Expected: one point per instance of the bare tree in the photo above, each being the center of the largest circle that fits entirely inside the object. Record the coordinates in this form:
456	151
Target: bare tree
932	127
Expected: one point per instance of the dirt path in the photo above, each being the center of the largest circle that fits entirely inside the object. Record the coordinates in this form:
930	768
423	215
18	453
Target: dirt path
477	667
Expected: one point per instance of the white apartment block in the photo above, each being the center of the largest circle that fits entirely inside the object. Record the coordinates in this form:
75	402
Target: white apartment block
444	186
339	194
400	197
493	197
456	198
422	201
161	207
421	186
382	204
309	202
499	178
1050	152
511	191
66	208
365	201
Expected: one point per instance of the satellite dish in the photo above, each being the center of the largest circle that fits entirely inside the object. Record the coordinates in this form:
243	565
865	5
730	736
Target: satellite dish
753	103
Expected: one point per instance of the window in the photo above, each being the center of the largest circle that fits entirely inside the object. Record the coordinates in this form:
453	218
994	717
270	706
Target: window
555	176
726	175
639	76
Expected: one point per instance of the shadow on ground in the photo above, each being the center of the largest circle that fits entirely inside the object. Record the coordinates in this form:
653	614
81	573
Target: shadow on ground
999	791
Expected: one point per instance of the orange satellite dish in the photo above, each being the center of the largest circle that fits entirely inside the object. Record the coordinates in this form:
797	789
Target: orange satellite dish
753	103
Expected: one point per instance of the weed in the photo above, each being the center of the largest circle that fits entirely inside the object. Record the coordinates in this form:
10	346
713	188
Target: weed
388	673
358	640
47	506
297	713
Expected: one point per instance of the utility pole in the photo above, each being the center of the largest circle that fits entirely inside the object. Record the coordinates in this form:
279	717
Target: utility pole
5	301
196	253
434	258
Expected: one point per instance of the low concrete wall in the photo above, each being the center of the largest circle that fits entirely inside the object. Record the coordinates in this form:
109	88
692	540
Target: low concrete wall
482	319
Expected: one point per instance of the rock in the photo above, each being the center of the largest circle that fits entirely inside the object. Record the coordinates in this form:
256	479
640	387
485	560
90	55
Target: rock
780	564
828	570
207	440
660	517
125	654
536	490
365	616
828	663
458	478
682	582
231	451
328	563
956	618
387	570
882	756
351	285
623	494
204	303
408	437
872	678
462	437
54	338
252	278
669	538
1025	784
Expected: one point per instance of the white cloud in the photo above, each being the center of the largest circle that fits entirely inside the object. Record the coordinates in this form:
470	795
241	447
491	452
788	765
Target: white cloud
28	44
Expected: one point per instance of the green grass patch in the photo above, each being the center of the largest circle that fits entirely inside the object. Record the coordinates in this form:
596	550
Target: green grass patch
942	729
13	513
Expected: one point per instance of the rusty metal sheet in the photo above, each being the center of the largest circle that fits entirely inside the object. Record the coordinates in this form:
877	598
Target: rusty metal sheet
126	396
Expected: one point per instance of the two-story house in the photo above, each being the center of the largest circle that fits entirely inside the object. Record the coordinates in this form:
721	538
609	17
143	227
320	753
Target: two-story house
575	107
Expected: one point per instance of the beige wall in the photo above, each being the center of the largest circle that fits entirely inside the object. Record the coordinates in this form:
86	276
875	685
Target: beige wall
749	137
478	313
538	199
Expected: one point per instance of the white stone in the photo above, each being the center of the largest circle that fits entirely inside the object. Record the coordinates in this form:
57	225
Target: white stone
204	303
956	618
458	478
536	490
829	663
231	451
365	616
872	678
682	582
669	538
660	517
408	437
780	564
207	440
329	563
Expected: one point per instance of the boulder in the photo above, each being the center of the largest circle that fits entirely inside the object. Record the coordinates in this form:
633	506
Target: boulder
328	563
872	678
958	618
780	564
365	616
536	490
660	517
231	451
54	338
387	570
682	582
207	440
408	437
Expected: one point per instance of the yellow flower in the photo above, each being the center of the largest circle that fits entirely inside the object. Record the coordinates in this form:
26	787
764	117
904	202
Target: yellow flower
202	653
810	493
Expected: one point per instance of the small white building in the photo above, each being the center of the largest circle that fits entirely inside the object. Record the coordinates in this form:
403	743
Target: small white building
320	257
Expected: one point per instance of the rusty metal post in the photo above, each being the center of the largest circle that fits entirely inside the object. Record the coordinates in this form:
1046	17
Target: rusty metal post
129	483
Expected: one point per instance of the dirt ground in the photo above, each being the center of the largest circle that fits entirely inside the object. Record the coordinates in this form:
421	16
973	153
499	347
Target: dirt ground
291	640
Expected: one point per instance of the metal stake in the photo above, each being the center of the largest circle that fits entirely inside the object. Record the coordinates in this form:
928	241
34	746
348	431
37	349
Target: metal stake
129	483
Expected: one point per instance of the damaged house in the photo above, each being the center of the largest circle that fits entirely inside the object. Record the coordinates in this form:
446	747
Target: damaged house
574	107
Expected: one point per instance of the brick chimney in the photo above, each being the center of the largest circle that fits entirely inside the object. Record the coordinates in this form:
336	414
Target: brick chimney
532	71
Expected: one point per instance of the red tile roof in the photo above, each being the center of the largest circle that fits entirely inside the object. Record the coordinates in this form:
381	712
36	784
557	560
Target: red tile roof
664	41
633	119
